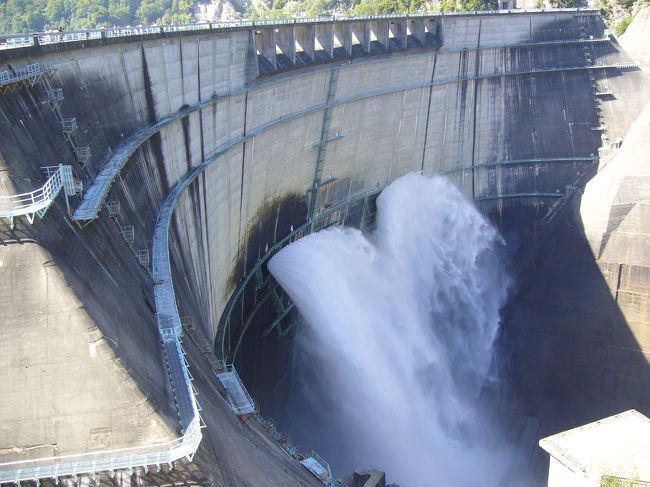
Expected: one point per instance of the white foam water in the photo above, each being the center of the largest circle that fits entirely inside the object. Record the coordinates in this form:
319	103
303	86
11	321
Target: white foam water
401	325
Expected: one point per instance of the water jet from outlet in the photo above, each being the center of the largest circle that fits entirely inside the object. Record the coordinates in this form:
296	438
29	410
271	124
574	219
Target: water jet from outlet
398	340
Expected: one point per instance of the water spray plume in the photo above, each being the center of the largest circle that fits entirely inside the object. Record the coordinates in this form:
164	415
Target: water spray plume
400	327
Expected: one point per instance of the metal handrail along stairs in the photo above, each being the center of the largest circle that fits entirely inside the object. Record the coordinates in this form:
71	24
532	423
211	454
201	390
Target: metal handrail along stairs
36	203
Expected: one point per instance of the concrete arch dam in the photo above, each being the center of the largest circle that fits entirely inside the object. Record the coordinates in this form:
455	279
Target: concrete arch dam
237	136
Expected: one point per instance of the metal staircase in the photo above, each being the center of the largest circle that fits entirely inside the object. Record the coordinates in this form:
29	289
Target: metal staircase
320	146
36	203
19	78
54	98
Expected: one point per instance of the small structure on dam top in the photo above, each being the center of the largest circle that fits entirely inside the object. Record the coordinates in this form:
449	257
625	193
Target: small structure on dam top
611	452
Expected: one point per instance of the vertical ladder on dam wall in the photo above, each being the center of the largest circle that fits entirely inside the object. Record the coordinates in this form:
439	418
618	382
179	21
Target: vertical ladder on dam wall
36	203
54	98
589	62
321	145
127	232
32	75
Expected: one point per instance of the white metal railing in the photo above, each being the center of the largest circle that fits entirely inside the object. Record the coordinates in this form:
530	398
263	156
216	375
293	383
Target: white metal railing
318	467
97	192
143	257
128	234
54	94
12	41
30	203
626	65
38	201
239	399
69	124
170	330
30	73
82	153
72	465
168	318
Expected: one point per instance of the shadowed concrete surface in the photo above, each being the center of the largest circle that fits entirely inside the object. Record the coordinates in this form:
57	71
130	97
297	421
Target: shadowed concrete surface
578	338
81	397
569	351
464	107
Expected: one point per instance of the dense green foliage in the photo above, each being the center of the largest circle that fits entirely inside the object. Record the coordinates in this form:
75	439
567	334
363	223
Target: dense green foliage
38	15
312	8
569	3
369	7
621	27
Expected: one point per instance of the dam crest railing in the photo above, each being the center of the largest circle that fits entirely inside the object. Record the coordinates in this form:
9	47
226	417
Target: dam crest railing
12	41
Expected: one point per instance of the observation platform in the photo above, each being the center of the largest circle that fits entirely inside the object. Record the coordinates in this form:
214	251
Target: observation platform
240	401
38	201
616	448
318	467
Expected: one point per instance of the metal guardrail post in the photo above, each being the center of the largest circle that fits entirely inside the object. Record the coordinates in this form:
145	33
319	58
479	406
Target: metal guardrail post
113	208
82	154
38	201
143	257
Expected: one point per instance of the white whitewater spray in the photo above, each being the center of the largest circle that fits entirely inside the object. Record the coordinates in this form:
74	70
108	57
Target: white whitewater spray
401	326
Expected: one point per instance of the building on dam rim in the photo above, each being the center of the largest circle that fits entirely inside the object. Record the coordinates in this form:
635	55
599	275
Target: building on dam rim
147	174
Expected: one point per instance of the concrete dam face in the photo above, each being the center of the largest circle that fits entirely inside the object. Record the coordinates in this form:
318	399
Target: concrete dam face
203	152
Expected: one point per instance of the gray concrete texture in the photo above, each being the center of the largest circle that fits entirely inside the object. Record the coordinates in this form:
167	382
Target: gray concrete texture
635	38
64	387
615	203
116	90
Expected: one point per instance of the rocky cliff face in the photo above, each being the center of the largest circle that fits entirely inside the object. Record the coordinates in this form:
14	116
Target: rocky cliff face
215	11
